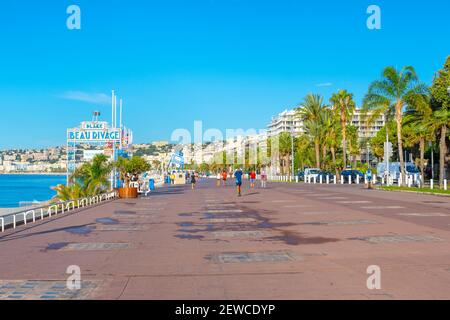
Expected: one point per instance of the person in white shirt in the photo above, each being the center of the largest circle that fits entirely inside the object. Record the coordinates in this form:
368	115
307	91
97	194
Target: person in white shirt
218	178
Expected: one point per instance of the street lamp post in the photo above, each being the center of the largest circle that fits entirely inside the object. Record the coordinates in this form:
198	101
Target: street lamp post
292	152
432	159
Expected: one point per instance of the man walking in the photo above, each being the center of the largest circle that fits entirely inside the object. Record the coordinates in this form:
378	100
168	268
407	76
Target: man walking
238	175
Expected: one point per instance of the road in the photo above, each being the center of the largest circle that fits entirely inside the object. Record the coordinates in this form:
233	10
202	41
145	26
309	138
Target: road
289	241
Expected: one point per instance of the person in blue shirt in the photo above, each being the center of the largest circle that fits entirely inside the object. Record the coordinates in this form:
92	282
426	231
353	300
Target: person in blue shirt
238	175
369	179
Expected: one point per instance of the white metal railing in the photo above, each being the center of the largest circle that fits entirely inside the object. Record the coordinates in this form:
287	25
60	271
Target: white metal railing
29	215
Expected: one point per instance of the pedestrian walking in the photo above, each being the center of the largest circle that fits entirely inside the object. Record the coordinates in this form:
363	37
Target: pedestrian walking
224	177
252	179
193	180
369	179
238	175
218	178
263	179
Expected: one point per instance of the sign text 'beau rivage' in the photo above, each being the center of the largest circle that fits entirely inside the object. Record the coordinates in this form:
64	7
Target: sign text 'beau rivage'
92	131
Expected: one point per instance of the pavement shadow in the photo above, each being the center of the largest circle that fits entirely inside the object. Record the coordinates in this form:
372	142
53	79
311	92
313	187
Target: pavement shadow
83	229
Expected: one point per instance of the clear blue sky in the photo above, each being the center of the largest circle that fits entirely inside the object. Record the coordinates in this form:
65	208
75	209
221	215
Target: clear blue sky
229	63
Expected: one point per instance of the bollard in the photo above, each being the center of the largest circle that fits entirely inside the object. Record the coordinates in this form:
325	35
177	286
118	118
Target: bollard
431	184
334	180
342	179
315	179
349	179
296	179
365	179
409	181
374	178
382	180
445	184
357	179
328	179
320	179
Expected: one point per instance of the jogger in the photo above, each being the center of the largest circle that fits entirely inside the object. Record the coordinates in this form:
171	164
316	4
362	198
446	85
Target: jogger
238	175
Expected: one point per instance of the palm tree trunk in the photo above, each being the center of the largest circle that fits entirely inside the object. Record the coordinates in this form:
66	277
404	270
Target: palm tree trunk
333	157
317	147
324	152
398	116
344	137
350	148
442	154
422	156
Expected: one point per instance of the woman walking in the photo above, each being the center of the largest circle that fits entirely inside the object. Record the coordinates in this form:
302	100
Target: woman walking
224	177
193	180
263	179
252	178
218	178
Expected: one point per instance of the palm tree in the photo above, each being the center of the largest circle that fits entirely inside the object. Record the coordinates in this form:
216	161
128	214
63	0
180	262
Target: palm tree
417	125
71	192
353	147
440	91
88	180
343	105
390	94
441	120
303	153
285	149
330	125
93	176
314	130
310	112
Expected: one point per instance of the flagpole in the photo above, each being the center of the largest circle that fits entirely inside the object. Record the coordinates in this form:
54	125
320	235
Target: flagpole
112	124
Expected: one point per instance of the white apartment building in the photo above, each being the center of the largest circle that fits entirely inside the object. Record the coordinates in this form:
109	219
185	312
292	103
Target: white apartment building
286	121
365	130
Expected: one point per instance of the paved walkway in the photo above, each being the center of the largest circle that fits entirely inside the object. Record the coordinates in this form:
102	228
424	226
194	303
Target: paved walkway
289	241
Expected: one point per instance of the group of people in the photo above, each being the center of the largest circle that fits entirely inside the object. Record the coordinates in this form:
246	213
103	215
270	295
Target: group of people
238	175
222	177
191	177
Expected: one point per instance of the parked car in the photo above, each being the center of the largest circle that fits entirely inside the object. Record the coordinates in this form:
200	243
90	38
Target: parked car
301	175
312	172
394	171
353	174
324	175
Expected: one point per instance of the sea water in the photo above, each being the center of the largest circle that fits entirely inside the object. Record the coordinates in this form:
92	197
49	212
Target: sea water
26	188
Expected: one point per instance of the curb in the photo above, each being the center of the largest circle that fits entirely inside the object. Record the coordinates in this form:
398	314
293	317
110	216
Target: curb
417	192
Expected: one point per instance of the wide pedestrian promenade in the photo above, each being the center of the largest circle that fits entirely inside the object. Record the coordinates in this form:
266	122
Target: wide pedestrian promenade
288	241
